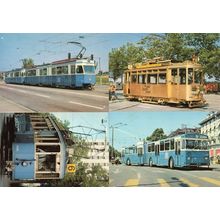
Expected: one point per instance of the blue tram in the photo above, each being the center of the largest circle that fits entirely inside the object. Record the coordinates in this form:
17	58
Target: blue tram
70	73
185	150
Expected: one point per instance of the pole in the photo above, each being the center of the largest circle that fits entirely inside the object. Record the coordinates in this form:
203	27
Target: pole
112	143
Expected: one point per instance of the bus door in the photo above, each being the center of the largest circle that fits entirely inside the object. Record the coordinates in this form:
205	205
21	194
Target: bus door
177	153
157	153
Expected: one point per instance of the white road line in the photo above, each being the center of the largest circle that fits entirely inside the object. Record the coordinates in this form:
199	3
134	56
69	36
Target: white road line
138	175
29	93
91	106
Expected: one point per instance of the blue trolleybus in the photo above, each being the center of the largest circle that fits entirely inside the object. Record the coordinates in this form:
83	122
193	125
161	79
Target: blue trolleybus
68	73
185	150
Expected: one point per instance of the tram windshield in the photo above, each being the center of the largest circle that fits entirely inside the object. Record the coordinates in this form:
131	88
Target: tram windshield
195	144
89	69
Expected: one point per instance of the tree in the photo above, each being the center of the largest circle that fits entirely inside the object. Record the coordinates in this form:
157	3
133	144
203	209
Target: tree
182	46
113	152
27	63
120	58
157	134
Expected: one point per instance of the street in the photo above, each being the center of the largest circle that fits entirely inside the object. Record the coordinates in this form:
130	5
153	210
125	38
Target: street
122	175
122	104
20	98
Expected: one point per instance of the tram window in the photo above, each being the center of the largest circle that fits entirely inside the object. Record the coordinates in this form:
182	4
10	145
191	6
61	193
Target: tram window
182	73
43	71
16	74
152	78
73	69
133	78
172	145
190	76
149	147
162	78
79	69
197	76
167	145
141	79
161	146
54	71
174	76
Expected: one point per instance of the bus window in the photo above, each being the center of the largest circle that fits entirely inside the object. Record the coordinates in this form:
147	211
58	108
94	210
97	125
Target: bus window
182	74
190	76
152	79
172	144
73	69
54	71
162	78
167	145
149	147
133	78
140	151
79	69
162	146
174	76
197	76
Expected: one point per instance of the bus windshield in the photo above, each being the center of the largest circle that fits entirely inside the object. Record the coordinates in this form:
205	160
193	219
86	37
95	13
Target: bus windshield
196	144
89	69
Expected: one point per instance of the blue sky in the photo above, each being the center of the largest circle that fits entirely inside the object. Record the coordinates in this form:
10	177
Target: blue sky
91	119
50	47
142	124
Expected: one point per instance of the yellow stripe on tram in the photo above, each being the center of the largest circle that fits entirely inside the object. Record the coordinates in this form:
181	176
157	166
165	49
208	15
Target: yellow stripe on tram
188	182
210	180
163	183
132	182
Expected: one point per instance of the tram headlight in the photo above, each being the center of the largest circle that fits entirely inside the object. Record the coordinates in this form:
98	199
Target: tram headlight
188	158
206	158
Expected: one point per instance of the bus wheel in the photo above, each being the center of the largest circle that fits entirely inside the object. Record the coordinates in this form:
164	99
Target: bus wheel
128	162
171	163
150	163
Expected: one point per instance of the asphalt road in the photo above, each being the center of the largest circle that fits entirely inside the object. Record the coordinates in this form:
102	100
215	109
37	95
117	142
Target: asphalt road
122	175
20	98
122	104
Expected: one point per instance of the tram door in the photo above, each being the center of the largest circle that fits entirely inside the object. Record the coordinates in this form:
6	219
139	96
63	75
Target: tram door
127	81
157	153
177	153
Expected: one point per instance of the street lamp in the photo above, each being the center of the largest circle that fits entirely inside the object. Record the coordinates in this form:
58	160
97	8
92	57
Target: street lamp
117	125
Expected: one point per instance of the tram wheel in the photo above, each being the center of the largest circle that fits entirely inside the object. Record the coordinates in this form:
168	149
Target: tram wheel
171	163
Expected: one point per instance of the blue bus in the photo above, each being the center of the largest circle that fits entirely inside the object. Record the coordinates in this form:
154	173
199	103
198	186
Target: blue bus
185	150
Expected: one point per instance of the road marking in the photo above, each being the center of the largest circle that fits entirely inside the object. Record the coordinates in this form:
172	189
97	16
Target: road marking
29	93
91	106
188	182
210	180
132	182
163	183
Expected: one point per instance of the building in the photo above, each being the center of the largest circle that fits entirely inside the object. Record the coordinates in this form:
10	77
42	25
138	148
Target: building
211	127
98	154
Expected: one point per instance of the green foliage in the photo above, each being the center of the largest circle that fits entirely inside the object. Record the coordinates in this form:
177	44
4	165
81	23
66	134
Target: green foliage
84	176
158	134
113	153
175	46
27	63
120	58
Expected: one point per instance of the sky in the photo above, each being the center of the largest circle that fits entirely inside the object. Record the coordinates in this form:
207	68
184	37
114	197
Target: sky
87	119
44	48
138	125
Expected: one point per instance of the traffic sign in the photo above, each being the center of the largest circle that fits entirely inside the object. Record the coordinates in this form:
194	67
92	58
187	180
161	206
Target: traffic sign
71	168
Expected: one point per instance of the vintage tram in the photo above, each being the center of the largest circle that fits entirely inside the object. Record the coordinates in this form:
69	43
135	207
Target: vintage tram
165	82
